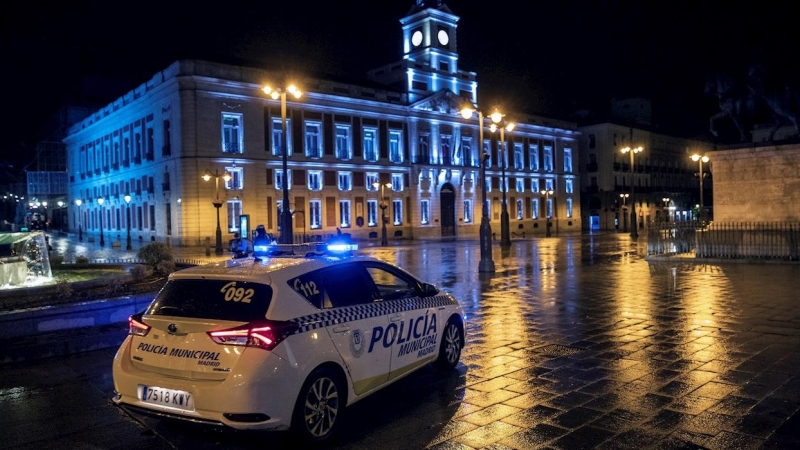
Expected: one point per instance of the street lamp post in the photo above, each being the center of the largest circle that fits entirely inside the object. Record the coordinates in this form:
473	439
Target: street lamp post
632	151
100	201
217	203
486	264
383	205
700	160
127	198
666	208
78	203
547	193
624	198
286	236
497	118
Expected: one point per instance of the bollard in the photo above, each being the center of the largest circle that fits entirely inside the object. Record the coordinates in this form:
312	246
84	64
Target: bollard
208	246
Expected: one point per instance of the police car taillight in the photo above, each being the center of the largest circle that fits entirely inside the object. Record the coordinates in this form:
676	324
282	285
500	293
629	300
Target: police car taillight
136	327
262	334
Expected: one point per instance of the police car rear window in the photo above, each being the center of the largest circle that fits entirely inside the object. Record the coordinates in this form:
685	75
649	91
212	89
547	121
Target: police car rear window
212	299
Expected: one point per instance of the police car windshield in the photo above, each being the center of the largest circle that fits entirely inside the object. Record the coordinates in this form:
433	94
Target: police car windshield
212	299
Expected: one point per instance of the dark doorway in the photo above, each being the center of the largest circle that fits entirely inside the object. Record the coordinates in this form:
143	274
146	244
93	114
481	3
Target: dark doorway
448	213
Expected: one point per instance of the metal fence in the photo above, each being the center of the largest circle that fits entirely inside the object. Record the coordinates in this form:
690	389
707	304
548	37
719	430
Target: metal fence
731	240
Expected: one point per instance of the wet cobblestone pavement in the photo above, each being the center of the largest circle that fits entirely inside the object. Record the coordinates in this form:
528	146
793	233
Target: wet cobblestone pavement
575	342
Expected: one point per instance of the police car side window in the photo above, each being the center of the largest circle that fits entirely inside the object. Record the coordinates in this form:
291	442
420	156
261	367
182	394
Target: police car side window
392	285
345	285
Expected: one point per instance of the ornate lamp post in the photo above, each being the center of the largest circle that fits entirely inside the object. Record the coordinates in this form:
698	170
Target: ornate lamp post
217	203
700	160
497	118
632	151
624	198
127	199
286	215
666	209
547	193
100	201
383	205
78	203
486	264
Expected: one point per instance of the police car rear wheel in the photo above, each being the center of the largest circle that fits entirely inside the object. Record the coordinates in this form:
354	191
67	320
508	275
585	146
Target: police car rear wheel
319	406
452	343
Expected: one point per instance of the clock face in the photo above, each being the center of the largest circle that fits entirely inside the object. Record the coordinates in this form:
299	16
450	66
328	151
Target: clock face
416	38
444	38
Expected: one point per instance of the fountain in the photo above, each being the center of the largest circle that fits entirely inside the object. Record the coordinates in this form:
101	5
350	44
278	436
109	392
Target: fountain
24	260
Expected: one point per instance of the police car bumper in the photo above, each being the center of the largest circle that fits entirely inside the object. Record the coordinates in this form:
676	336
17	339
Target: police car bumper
258	394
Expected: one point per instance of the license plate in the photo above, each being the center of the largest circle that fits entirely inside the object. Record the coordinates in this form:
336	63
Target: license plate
166	397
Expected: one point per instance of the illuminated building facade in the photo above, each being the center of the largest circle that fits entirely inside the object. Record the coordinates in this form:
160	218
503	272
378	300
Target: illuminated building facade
396	140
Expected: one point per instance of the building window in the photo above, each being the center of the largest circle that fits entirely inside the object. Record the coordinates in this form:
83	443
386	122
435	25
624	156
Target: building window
519	162
315	214
314	180
466	151
533	153
373	181
397	182
549	208
520	182
344	142
488	152
535	208
425	211
568	186
567	160
279	205
397	211
488	183
549	184
345	181
467	211
277	132
569	208
592	141
371	144
519	209
548	158
446	150
232	133
423	150
279	179
396	146
314	140
372	212
234	211
344	213
237	178
535	185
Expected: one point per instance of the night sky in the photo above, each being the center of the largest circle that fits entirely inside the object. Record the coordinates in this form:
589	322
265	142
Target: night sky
548	58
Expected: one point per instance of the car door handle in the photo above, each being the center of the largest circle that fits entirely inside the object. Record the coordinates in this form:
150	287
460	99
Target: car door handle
341	329
396	318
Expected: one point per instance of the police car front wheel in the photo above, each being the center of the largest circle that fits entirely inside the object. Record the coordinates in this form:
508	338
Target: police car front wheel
317	412
452	343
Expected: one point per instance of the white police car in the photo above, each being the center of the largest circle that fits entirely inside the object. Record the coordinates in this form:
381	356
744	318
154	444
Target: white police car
283	340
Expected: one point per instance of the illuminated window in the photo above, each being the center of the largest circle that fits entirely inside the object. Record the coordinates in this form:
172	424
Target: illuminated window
277	132
568	160
549	208
345	181
315	214
397	211
549	184
548	158
519	209
344	142
533	154
425	211
232	133
397	182
535	208
446	152
234	211
487	151
569	207
315	180
279	205
279	179
467	211
372	181
488	183
519	163
372	212
465	155
423	151
568	186
313	140
237	178
370	144
344	213
396	146
520	184
535	185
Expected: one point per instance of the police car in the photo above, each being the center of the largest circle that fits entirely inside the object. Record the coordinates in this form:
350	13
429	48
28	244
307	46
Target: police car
283	340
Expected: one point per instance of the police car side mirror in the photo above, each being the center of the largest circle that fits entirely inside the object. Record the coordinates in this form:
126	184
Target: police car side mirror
429	290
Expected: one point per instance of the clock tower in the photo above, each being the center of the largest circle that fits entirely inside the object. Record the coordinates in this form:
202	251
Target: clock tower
430	56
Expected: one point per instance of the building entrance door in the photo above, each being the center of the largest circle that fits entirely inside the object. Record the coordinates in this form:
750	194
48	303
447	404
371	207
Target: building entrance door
447	199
